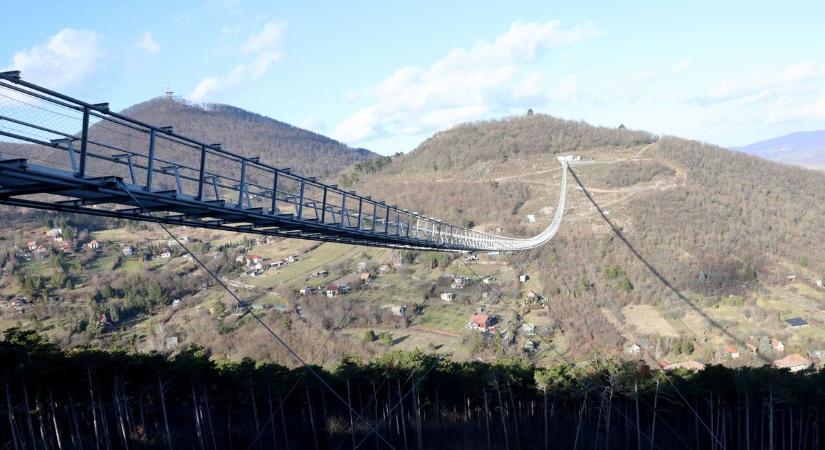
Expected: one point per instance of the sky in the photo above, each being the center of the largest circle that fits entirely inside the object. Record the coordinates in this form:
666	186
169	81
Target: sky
387	75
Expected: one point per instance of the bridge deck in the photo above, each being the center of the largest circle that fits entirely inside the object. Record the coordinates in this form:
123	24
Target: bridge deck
108	196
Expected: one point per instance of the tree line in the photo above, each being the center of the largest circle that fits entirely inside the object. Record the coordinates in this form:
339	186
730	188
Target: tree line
87	398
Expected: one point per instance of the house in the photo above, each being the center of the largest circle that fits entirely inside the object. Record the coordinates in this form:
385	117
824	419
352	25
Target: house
400	311
529	346
57	239
32	245
523	278
127	251
447	296
471	257
384	269
459	282
633	349
528	329
819	282
691	365
794	362
176	303
65	247
171	342
791	277
321	273
54	232
365	277
732	351
253	259
797	322
94	245
479	322
534	296
307	290
777	345
344	288
166	254
331	290
488	280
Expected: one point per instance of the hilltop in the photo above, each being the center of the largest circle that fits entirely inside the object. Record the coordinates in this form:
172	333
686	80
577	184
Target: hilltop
250	134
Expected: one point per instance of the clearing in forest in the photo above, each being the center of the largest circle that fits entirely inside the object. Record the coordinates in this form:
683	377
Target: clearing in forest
648	320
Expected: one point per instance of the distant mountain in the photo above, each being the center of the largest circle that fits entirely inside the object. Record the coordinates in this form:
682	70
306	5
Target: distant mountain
804	148
250	134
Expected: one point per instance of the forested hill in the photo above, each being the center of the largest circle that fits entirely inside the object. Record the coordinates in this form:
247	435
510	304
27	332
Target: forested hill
251	134
717	224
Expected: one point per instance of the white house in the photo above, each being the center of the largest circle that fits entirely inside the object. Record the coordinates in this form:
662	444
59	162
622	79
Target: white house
127	251
633	349
166	254
523	278
528	329
399	310
488	280
447	296
94	245
54	232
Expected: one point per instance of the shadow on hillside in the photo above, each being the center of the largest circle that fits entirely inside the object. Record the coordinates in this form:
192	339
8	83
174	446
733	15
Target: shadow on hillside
656	273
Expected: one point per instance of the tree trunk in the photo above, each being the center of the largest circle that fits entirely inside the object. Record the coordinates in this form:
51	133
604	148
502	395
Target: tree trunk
770	420
401	413
501	412
283	419
209	419
653	422
272	417
579	424
77	440
29	416
638	424
94	408
54	421
312	418
196	413
487	419
165	416
12	424
351	420
546	429
515	415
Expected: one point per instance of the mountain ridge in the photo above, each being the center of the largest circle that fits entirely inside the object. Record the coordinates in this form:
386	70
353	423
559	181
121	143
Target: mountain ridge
801	148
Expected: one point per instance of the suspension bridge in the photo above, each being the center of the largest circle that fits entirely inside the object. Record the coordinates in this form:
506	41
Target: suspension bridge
90	160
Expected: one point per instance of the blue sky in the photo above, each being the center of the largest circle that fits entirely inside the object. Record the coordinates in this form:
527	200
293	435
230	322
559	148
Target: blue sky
386	75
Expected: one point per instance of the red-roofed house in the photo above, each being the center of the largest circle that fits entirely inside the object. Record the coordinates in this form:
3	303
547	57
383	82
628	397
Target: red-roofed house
253	259
731	351
794	362
479	322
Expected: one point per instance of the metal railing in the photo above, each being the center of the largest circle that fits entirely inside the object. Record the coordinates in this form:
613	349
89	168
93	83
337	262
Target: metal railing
98	142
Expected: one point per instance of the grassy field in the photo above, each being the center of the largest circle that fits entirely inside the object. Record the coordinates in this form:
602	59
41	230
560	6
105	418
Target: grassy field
648	320
294	275
444	316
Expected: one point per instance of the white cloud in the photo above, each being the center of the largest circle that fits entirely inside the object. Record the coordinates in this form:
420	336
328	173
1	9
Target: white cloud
789	81
466	84
147	43
262	49
63	60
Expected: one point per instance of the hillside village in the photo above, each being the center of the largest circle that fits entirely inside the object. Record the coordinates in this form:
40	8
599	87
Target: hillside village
473	306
